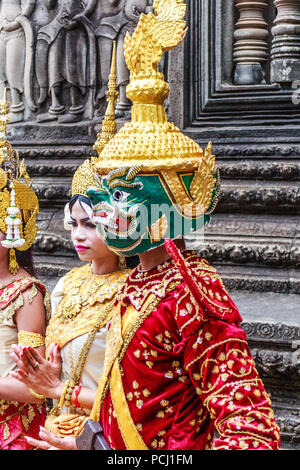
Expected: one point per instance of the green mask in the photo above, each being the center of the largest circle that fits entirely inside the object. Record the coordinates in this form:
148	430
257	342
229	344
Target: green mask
135	212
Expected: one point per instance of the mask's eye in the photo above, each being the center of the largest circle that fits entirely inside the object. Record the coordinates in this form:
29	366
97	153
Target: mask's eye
120	195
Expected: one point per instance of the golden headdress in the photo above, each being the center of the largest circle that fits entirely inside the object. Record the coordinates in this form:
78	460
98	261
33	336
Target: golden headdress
19	205
149	140
84	175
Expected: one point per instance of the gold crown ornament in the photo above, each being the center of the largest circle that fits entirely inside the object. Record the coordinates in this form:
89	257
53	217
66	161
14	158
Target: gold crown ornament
84	176
149	140
19	204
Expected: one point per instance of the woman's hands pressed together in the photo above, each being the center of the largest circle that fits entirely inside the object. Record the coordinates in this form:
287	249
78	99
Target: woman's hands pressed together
37	373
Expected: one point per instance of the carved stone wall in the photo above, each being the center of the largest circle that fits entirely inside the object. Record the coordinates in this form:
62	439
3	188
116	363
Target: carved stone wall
55	56
244	99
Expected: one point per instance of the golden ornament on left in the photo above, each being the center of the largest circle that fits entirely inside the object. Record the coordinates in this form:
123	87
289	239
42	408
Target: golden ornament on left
3	179
19	205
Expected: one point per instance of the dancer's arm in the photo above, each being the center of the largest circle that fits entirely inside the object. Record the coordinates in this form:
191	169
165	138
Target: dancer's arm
10	388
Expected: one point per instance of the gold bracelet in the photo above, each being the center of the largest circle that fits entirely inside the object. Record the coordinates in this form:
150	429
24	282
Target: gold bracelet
63	395
69	393
28	338
37	395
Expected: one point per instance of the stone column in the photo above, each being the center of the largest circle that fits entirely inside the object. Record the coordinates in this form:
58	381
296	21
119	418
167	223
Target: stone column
251	42
285	51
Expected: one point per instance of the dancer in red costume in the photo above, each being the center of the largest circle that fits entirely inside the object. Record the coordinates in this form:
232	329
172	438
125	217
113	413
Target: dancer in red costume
19	419
186	367
24	301
178	366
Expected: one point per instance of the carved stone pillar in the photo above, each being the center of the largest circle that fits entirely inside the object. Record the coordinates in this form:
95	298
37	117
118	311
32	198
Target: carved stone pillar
285	52
251	45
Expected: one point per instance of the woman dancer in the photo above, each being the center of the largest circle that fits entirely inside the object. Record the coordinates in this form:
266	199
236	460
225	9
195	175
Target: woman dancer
81	304
81	307
24	301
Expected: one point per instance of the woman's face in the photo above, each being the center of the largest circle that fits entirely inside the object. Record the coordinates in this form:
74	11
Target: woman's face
84	236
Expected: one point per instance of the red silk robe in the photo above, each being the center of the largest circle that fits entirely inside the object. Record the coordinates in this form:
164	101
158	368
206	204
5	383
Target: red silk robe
18	420
186	369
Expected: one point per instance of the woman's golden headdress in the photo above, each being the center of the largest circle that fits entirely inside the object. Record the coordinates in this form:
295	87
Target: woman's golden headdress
84	175
19	204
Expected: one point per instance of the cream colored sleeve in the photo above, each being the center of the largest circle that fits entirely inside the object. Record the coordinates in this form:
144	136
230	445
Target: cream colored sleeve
57	294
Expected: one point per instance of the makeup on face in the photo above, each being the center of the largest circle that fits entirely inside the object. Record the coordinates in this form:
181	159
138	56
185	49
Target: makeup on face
79	234
81	248
86	241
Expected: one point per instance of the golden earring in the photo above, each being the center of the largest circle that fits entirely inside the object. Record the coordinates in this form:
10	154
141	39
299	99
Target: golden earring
122	262
13	263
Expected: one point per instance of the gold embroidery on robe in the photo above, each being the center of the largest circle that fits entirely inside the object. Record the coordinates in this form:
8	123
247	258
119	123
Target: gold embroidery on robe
78	311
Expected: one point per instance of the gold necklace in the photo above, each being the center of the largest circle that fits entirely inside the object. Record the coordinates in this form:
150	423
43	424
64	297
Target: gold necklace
159	267
79	292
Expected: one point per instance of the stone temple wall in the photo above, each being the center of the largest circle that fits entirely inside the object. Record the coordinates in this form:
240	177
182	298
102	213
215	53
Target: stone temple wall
234	81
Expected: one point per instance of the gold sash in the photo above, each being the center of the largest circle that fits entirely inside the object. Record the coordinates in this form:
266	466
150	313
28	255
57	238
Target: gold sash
111	372
130	434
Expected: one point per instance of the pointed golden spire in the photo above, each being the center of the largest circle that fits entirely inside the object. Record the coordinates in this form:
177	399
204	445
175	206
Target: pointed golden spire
109	124
19	204
84	177
4	120
4	105
150	139
7	153
155	34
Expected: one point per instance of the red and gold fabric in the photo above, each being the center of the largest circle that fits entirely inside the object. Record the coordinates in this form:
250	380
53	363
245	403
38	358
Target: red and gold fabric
181	369
18	419
11	296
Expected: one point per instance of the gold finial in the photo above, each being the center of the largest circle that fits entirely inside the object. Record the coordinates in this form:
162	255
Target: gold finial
155	34
84	177
109	124
23	173
4	120
7	153
19	205
4	103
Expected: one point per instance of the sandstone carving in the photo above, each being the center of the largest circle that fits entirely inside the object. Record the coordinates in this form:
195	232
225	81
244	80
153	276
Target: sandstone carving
114	28
62	52
16	55
55	56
